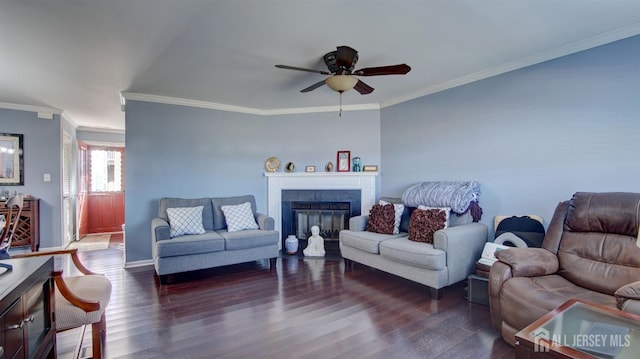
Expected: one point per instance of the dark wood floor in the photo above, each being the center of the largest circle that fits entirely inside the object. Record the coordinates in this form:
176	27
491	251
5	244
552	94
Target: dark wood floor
305	308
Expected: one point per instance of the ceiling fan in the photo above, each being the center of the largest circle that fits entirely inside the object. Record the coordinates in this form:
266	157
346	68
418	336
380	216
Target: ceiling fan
342	77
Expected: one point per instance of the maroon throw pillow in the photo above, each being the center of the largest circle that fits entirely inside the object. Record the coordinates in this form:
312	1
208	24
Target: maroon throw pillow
424	223
381	219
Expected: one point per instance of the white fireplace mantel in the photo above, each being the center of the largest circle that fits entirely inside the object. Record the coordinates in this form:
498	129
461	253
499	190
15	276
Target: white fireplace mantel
278	181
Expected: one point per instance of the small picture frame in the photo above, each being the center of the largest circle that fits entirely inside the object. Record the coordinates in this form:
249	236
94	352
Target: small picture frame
370	168
310	169
344	161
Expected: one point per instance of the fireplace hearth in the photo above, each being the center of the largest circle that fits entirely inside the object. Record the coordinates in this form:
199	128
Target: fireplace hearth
282	186
330	210
330	217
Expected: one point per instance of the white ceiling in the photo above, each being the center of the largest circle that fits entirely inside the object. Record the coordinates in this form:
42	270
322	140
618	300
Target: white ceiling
78	56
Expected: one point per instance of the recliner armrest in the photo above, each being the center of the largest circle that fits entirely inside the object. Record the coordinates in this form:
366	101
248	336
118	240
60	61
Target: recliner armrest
358	223
516	262
628	297
265	222
529	262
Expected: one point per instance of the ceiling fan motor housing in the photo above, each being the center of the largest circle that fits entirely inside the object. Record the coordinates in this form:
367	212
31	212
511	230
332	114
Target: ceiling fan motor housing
330	60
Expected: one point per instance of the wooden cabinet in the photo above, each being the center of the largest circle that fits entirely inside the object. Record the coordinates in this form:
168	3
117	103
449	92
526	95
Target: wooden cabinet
12	336
28	230
27	326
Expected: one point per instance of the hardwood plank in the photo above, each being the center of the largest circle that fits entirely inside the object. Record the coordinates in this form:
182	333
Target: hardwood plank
305	308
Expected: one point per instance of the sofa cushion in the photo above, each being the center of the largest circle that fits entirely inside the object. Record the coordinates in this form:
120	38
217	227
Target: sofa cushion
598	244
405	220
424	223
381	219
185	220
366	241
457	219
413	253
207	212
525	298
217	202
608	212
248	239
190	244
239	217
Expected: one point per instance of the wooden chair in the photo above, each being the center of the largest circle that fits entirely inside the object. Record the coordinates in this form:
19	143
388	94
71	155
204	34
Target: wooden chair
14	208
79	300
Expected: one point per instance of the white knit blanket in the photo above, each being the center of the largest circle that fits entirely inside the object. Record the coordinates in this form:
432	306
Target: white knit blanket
456	195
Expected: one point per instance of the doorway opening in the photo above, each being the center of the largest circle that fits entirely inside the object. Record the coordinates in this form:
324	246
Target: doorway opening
101	193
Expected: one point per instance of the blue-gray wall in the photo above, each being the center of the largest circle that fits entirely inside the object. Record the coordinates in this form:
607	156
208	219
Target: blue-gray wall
193	152
532	137
42	154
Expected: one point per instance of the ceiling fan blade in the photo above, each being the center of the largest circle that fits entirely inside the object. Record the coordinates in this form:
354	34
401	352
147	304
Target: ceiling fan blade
286	67
313	87
400	69
363	88
346	57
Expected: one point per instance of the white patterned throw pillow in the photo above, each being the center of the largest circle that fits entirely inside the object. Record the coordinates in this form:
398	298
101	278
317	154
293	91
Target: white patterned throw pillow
398	208
185	220
239	217
446	210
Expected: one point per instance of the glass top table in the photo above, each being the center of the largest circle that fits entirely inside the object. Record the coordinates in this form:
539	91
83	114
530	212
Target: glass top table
579	329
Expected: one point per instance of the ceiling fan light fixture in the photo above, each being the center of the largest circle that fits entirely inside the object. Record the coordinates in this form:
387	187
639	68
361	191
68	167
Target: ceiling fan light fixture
341	83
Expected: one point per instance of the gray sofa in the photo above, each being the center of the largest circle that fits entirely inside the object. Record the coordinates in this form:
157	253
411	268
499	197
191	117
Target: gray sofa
216	247
450	259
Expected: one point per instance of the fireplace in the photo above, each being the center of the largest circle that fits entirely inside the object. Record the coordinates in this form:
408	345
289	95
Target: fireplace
330	210
333	188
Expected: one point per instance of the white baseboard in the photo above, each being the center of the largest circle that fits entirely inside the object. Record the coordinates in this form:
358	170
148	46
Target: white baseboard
137	264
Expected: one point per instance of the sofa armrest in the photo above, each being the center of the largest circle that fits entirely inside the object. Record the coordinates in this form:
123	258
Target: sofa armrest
358	223
160	230
529	262
628	297
463	246
265	222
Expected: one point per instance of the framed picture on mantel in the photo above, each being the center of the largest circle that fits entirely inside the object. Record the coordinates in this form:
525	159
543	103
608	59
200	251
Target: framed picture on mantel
344	161
11	160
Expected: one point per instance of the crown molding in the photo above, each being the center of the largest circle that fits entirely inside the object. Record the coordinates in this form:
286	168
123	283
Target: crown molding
65	116
100	129
42	112
555	53
240	109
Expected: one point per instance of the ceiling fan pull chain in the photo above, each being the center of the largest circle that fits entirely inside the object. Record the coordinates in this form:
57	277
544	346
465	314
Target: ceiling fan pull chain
340	113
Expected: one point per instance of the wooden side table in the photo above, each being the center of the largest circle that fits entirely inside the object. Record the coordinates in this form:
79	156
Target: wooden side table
580	329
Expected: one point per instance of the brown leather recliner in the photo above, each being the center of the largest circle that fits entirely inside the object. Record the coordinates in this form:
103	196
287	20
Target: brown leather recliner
589	252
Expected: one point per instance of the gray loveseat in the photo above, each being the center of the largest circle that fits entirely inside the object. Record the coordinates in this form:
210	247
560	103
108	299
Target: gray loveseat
450	259
217	246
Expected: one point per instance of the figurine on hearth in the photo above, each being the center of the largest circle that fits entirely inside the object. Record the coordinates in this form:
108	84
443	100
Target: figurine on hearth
315	246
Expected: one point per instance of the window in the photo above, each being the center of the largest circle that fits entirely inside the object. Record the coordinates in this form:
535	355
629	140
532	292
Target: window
106	170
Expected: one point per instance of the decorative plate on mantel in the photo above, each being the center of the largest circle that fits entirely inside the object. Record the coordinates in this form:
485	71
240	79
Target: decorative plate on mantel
272	164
